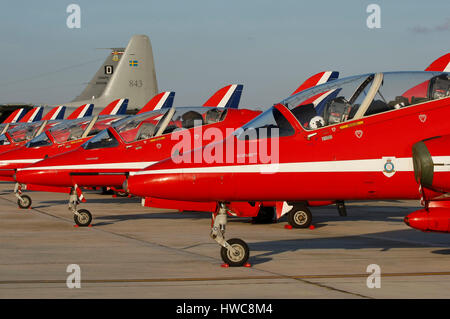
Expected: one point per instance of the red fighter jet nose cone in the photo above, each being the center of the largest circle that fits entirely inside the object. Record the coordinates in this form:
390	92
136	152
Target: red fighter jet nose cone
435	219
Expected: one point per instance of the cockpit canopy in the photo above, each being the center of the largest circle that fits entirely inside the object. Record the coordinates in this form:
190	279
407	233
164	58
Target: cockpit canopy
348	99
363	95
74	130
4	140
25	131
155	123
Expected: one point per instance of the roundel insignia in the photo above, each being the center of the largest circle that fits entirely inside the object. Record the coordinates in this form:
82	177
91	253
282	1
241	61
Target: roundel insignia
388	166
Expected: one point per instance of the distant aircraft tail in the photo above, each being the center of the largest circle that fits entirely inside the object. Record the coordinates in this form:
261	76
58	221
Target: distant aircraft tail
440	65
98	83
317	79
118	106
33	115
57	113
160	101
15	116
228	96
135	76
81	111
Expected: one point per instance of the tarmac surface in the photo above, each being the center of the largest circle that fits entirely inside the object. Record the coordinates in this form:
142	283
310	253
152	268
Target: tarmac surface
136	252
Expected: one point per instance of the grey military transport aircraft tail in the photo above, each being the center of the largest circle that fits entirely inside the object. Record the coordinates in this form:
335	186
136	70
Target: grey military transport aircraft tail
128	73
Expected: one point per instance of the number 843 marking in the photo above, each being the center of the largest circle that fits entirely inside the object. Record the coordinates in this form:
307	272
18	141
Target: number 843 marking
135	83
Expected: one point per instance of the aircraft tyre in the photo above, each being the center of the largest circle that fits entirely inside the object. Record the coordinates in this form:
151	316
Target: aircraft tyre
265	215
83	218
300	217
240	257
24	201
121	194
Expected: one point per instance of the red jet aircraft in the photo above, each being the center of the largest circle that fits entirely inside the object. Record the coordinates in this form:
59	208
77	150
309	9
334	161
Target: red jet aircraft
99	163
70	134
17	134
143	139
374	136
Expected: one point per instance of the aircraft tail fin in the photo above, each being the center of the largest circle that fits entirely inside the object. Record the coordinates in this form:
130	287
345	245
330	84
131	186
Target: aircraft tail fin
135	75
81	111
15	116
160	101
317	79
57	113
33	115
116	107
98	83
440	65
228	96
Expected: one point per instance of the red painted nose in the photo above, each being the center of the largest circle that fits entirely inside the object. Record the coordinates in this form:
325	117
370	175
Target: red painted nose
436	219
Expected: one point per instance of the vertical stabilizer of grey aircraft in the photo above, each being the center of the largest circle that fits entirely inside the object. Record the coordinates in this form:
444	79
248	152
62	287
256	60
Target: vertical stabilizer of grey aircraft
133	78
97	84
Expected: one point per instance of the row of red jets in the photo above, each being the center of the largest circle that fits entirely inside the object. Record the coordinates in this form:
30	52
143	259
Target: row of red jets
371	136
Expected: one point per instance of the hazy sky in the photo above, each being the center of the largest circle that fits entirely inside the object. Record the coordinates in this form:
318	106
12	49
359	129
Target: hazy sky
199	46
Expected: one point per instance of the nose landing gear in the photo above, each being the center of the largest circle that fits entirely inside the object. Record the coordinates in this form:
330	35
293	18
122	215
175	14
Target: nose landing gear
82	217
24	201
234	252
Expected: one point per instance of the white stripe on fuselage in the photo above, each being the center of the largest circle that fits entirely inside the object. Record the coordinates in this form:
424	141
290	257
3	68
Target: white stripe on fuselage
123	166
26	161
366	165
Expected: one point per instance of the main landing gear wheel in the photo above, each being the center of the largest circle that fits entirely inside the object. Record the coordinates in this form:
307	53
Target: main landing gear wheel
24	201
300	217
121	194
82	218
239	256
265	215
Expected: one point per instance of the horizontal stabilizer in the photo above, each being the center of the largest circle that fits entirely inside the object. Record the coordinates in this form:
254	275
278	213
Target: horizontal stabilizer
440	65
317	79
228	96
33	115
57	113
15	116
82	111
159	101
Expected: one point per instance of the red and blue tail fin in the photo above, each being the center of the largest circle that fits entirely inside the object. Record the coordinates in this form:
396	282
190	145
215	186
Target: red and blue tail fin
81	111
317	79
116	107
57	113
160	101
440	65
15	116
228	96
33	115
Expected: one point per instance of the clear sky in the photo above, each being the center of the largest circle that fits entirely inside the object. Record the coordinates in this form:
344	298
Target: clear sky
201	45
